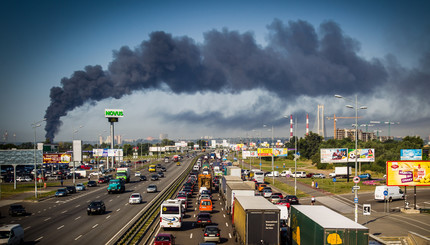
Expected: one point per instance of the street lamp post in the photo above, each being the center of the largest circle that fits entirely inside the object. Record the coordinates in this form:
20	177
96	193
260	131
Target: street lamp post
356	146
34	126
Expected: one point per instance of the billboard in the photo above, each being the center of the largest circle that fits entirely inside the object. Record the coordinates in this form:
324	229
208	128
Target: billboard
246	154
108	152
411	154
408	173
280	152
333	155
114	113
364	155
57	158
264	152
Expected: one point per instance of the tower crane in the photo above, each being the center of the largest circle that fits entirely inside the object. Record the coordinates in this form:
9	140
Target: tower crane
334	123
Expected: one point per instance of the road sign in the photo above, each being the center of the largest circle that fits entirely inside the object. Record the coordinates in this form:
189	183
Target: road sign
355	199
366	209
356	179
356	187
385	193
334	179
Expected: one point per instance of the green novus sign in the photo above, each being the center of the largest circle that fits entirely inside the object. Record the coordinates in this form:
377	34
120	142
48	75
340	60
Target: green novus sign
114	113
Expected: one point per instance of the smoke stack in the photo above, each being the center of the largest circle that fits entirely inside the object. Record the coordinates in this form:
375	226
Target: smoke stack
291	126
307	124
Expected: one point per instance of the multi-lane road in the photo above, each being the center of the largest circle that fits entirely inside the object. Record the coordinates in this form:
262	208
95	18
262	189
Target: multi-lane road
64	220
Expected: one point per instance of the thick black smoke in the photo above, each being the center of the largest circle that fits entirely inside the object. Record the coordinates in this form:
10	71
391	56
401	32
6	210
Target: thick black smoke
298	60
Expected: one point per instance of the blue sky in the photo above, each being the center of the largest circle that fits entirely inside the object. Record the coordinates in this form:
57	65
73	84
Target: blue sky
45	41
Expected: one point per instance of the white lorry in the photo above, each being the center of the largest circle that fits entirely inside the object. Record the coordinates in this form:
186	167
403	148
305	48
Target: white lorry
340	172
393	193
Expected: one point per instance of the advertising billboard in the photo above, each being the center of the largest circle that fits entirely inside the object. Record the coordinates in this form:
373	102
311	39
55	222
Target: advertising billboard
264	152
364	155
246	154
114	113
333	155
408	173
108	152
411	154
280	152
57	158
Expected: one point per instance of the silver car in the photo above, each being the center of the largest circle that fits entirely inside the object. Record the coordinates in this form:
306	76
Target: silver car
151	188
80	187
135	198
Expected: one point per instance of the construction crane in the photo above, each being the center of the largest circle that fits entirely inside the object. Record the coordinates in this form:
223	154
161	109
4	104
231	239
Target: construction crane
334	122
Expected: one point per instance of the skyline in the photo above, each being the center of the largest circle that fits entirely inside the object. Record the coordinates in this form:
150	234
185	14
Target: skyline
230	69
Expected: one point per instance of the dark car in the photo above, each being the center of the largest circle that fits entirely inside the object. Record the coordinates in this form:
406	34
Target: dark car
164	239
92	183
70	189
160	174
163	169
17	209
211	234
154	177
102	180
96	207
62	192
203	219
142	177
292	199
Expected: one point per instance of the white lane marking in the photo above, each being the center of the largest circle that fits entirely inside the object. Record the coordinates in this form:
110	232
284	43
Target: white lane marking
118	209
44	209
78	205
60	227
223	215
97	197
47	219
78	237
229	235
64	211
110	200
191	235
78	218
27	228
38	239
108	217
38	212
95	226
226	224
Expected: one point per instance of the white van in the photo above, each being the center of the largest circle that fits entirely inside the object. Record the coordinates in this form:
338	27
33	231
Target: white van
11	234
299	174
285	173
394	192
196	168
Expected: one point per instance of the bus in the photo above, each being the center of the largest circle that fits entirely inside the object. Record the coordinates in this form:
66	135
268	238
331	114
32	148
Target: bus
171	214
152	168
258	175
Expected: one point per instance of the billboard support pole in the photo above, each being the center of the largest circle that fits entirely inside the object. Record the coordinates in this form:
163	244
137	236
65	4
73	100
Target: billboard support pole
415	197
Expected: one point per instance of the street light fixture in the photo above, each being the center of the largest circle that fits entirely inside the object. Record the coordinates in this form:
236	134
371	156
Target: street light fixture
356	146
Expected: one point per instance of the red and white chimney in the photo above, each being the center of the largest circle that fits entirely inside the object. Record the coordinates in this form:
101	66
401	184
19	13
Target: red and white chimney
307	124
291	126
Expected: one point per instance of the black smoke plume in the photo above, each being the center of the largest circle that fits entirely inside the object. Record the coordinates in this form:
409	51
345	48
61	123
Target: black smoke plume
298	60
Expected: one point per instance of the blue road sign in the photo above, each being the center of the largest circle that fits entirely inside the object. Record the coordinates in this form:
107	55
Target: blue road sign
385	193
334	179
355	199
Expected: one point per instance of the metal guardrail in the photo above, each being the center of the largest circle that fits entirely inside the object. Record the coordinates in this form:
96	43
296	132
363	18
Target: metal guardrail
141	227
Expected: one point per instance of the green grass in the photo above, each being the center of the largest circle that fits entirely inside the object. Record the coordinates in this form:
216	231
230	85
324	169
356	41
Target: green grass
285	187
7	189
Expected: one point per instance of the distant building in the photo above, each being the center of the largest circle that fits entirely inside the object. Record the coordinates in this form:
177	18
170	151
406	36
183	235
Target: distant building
350	133
163	136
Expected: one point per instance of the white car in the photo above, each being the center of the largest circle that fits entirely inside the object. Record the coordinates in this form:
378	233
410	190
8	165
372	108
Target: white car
135	198
137	174
299	174
285	173
80	187
318	175
273	174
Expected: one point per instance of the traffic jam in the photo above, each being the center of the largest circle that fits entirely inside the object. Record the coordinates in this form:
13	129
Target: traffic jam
205	207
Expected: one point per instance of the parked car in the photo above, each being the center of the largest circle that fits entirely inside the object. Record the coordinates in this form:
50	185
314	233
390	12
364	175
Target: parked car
80	187
212	234
62	192
203	219
365	176
273	174
285	173
135	198
142	178
318	176
92	183
309	175
151	188
96	207
17	209
164	239
299	174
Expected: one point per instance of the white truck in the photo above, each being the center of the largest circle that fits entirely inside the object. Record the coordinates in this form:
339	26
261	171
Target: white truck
393	193
341	172
235	189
